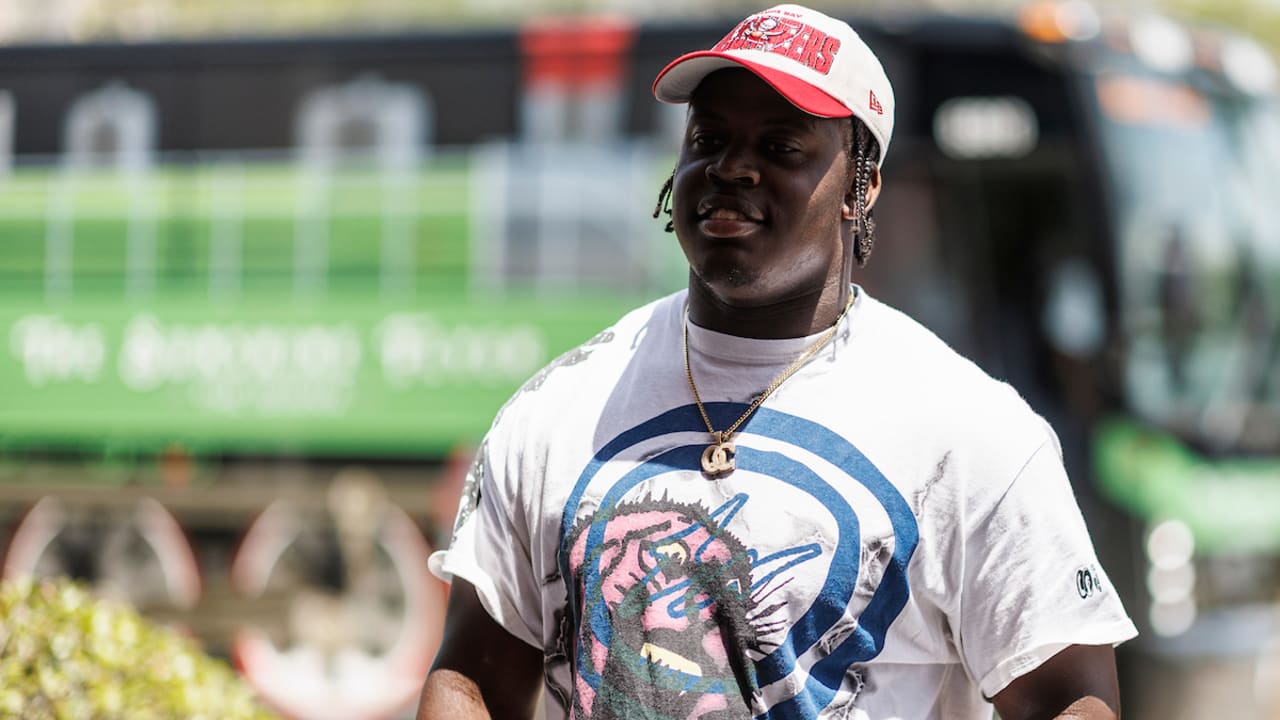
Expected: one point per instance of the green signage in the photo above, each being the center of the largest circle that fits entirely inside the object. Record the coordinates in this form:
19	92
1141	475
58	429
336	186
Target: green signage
1230	505
268	306
348	375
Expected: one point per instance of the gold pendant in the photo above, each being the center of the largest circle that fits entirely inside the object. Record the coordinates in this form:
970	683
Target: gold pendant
718	460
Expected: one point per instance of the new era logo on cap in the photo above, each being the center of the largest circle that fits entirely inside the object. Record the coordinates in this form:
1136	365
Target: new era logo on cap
816	62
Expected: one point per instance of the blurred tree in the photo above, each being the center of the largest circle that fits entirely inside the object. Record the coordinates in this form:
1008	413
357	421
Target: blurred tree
64	654
1260	19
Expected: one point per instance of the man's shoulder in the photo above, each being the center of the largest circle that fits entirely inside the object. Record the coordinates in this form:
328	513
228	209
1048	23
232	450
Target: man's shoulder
936	410
906	349
932	378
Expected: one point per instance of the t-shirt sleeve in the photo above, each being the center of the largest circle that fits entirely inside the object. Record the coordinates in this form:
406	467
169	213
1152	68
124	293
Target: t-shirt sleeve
1032	583
490	548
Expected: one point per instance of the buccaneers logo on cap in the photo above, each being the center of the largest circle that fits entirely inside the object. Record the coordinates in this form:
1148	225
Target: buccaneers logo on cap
762	29
793	39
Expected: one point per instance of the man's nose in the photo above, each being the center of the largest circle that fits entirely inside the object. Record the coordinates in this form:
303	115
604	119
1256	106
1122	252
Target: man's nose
734	166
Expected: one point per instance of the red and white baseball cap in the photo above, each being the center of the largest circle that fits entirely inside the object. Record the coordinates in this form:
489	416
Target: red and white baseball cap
816	61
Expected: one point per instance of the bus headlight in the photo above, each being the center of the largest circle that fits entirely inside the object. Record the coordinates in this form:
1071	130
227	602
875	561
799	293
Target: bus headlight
1171	578
1248	66
1055	22
1162	44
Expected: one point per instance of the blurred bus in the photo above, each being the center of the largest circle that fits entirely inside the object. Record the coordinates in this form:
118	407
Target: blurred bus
1088	205
247	286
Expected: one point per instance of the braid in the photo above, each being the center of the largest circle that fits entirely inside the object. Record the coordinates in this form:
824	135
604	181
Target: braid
864	153
664	202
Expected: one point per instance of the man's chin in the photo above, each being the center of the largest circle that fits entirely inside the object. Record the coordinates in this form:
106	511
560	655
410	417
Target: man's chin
727	280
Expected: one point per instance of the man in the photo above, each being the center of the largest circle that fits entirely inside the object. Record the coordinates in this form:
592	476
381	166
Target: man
771	495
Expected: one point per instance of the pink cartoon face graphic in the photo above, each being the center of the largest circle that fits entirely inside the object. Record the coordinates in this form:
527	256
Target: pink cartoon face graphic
669	614
734	608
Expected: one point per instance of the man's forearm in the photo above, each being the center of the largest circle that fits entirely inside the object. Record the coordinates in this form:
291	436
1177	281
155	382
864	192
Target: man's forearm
450	695
1088	708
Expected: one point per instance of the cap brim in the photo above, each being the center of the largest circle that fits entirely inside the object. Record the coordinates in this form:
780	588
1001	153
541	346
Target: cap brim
677	81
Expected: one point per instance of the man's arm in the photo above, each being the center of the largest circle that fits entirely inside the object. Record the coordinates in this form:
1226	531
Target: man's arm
481	670
1078	683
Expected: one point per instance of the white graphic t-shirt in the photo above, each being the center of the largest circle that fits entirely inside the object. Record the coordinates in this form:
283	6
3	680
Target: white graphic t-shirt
898	539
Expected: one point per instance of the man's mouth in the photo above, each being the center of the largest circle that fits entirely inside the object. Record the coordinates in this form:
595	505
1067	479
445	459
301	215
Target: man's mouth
728	207
727	217
726	214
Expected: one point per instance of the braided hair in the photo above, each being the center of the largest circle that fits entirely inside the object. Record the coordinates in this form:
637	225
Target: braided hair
864	153
664	202
863	156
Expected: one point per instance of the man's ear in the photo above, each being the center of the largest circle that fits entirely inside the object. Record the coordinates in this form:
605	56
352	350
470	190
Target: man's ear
848	211
873	187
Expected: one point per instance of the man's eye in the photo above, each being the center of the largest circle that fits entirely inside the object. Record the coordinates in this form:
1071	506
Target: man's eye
781	148
703	141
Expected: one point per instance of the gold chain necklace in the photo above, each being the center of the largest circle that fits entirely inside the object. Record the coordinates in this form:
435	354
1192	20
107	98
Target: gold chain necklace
718	458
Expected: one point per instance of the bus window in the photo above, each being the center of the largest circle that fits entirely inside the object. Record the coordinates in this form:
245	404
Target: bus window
984	197
908	267
1198	261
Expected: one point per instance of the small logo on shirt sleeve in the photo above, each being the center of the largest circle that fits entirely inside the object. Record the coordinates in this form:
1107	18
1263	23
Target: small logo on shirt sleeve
1089	581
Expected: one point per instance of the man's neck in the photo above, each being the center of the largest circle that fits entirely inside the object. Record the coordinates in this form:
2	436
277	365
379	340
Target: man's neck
798	316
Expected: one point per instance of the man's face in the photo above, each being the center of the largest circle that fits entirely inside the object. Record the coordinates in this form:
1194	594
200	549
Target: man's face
761	190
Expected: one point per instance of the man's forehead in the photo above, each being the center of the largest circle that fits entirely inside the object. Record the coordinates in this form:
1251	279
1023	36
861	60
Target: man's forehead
735	92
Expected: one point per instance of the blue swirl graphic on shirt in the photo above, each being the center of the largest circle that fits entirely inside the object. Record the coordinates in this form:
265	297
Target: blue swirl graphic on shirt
663	571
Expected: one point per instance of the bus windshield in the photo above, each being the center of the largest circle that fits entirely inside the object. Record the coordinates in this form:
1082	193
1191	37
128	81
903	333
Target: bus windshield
1195	173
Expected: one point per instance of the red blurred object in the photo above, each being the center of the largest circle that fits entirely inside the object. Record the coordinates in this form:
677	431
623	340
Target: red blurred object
576	52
